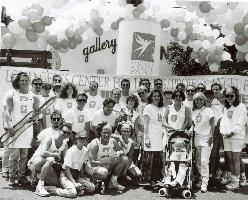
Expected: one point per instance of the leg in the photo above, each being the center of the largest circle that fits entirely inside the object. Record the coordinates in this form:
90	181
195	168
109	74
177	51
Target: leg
5	161
23	162
13	163
88	186
119	166
181	174
135	173
99	173
236	163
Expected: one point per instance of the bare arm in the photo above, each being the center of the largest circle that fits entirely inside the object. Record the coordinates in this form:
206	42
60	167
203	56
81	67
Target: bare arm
93	150
188	119
130	158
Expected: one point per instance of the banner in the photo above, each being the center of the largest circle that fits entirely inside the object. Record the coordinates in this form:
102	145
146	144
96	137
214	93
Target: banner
138	48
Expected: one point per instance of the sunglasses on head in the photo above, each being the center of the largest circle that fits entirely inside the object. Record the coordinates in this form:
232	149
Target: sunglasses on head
56	119
229	95
81	100
190	90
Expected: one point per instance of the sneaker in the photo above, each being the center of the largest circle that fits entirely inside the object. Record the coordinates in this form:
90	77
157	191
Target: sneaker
114	184
51	189
226	178
23	180
5	175
233	186
174	183
12	181
204	188
242	181
41	191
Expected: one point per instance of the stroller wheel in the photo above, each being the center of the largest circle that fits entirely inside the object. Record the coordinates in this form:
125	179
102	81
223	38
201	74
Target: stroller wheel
186	194
163	192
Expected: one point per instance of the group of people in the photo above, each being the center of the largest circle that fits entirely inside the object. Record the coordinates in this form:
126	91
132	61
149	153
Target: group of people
82	139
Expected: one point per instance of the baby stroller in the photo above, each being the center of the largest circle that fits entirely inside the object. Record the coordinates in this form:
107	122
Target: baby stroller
185	186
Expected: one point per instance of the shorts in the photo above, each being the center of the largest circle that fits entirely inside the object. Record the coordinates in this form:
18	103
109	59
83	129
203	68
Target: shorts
233	145
32	162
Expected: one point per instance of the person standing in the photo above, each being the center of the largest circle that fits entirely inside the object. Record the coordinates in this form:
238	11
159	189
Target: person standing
232	127
125	87
190	91
19	104
153	143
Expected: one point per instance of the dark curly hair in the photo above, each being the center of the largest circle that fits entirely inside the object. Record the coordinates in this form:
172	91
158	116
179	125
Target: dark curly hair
236	101
119	125
180	92
135	98
219	85
16	80
160	103
63	93
100	126
108	101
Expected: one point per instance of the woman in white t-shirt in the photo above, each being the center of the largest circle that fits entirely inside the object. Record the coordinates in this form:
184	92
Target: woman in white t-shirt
67	98
232	127
203	123
153	144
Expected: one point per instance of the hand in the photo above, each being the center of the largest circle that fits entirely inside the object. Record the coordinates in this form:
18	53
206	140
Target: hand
11	132
78	185
45	154
229	135
57	156
190	133
210	141
117	155
147	142
107	161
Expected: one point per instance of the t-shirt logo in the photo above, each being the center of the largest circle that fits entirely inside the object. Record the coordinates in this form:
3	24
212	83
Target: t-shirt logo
92	104
80	119
143	47
198	119
159	118
24	108
174	118
23	98
69	105
230	114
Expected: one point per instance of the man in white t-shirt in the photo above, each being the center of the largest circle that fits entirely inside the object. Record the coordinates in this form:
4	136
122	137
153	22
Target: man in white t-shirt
106	114
116	95
190	91
94	102
125	86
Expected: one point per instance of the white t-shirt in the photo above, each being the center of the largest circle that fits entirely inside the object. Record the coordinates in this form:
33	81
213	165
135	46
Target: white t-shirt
64	105
75	158
155	127
188	103
48	132
100	117
176	118
123	99
201	118
234	120
77	118
119	106
217	110
94	103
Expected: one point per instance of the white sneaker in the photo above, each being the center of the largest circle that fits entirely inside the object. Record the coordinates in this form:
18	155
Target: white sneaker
51	189
204	188
114	184
242	181
41	191
198	184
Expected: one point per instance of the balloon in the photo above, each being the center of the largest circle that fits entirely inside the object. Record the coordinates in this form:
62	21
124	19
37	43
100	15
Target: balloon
242	48
185	41
78	39
206	44
246	57
65	43
182	35
15	28
33	14
174	32
62	50
69	32
205	7
31	35
51	39
238	28
240	56
228	41
194	55
214	67
38	27
72	44
25	11
211	59
211	17
165	23
226	56
24	23
42	44
240	39
245	18
39	8
136	12
46	20
57	4
246	30
9	40
94	13
56	45
99	21
114	25
122	3
141	8
98	31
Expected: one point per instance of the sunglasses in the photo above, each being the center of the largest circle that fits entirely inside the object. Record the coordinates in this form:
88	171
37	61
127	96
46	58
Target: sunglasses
56	119
229	95
47	88
158	83
66	132
201	89
81	100
190	90
58	80
38	84
139	93
179	96
125	85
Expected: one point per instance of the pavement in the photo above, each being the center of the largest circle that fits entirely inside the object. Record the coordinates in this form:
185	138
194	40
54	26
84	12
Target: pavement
216	192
